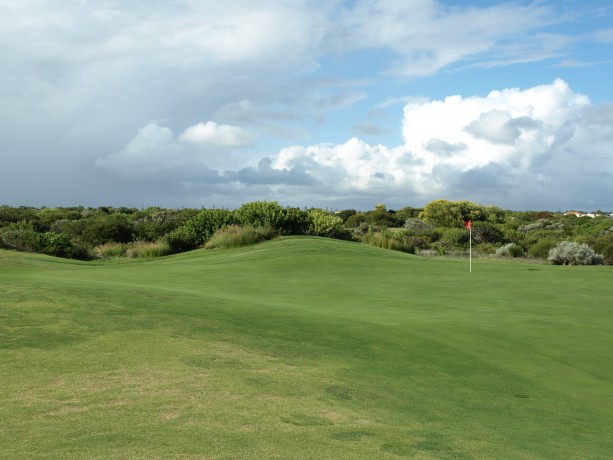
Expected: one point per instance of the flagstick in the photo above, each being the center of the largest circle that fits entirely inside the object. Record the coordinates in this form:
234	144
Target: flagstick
470	249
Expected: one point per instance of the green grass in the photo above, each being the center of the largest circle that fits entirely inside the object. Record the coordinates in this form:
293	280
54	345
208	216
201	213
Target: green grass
304	348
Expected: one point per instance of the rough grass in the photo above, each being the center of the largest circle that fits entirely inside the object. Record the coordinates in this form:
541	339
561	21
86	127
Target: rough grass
303	348
136	249
389	240
236	236
148	250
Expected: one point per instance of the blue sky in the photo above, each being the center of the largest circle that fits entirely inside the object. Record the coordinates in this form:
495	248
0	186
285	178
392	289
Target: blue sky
336	104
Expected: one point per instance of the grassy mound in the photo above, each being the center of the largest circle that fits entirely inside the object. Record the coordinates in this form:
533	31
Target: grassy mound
303	348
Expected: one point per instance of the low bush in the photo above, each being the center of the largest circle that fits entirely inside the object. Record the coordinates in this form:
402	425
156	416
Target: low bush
56	244
182	239
604	245
486	232
234	236
571	253
20	235
541	248
485	248
322	223
510	250
456	237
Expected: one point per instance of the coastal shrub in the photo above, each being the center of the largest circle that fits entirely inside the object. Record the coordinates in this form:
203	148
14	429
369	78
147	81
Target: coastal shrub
322	223
486	232
510	250
56	244
110	250
604	245
234	236
456	237
571	253
106	228
540	249
182	239
389	240
148	249
20	235
417	226
203	225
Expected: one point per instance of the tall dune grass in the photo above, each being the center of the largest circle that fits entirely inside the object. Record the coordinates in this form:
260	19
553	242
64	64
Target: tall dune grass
148	250
234	236
389	240
136	249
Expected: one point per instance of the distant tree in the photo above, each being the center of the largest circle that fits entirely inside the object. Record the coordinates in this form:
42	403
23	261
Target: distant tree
443	213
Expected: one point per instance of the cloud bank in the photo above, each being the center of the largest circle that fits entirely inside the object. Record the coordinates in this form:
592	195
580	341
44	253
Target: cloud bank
514	147
193	103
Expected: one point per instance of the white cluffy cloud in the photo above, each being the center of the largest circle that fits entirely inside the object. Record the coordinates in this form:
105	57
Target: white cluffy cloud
512	128
216	135
514	147
155	150
520	148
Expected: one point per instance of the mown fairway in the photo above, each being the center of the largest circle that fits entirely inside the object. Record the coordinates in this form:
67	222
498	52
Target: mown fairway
304	348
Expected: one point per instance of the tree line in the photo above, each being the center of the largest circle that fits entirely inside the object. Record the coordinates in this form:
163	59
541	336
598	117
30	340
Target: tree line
436	229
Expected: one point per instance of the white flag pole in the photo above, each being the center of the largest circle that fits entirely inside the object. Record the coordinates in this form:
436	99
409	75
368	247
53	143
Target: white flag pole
470	248
469	225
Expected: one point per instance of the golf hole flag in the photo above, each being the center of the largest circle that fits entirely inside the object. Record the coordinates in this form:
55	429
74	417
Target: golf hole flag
469	225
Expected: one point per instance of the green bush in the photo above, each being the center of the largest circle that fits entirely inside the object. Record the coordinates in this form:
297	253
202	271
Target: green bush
234	236
20	235
485	248
541	248
106	228
322	223
416	226
56	244
510	250
199	229
456	237
486	232
292	221
260	214
571	253
203	225
182	239
604	245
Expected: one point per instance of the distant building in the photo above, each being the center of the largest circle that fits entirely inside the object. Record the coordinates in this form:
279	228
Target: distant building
585	214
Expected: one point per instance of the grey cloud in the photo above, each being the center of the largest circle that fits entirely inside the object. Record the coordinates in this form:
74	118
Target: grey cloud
494	126
366	128
442	148
264	174
601	114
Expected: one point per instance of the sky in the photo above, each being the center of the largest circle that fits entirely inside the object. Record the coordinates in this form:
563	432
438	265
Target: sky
310	103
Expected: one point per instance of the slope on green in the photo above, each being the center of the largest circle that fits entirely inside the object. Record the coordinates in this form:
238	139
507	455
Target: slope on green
304	348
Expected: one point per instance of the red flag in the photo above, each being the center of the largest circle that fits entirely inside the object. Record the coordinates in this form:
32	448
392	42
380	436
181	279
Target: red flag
468	224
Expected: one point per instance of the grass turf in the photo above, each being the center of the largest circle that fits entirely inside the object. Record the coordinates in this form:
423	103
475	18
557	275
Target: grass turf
304	348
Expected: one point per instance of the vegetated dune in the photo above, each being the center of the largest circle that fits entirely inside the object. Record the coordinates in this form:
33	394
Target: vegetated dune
304	348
